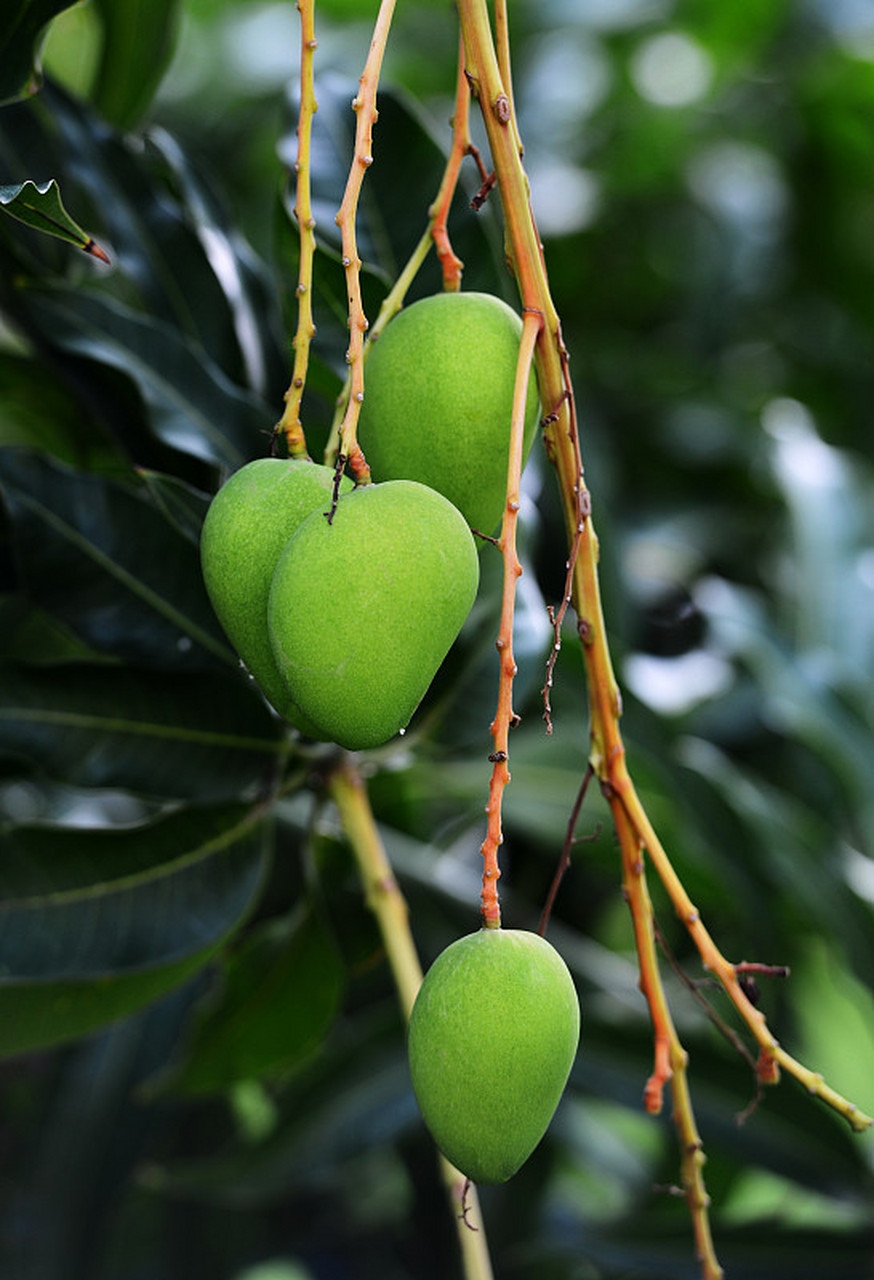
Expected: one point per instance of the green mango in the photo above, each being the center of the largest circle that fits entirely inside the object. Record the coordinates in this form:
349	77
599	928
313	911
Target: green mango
248	523
438	398
493	1035
363	611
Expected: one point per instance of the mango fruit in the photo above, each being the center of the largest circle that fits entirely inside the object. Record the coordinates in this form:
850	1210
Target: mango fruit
248	523
492	1037
362	611
438	396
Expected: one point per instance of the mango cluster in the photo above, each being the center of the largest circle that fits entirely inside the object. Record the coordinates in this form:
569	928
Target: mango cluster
343	610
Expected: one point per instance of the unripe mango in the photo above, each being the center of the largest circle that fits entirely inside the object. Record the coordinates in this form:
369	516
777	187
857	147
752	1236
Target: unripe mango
438	397
363	611
248	523
493	1035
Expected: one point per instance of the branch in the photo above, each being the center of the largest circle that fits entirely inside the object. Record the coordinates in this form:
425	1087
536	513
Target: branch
364	106
505	716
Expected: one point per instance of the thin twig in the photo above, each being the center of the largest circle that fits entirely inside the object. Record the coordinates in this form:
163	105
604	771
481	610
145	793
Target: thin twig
721	1025
565	859
435	233
450	263
504	715
290	423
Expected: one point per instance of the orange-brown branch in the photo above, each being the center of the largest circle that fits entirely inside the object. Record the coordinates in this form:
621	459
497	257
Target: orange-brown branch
450	263
505	716
290	423
364	106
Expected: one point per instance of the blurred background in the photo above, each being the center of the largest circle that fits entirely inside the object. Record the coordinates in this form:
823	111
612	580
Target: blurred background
703	180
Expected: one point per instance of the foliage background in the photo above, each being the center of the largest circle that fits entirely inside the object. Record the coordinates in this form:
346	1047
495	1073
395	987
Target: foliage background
704	182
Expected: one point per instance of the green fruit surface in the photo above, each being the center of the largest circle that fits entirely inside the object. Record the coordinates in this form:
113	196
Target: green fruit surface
438	398
248	523
362	611
492	1038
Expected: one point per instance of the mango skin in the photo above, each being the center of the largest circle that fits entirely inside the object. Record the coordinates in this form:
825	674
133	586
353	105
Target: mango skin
248	523
493	1035
438	397
363	611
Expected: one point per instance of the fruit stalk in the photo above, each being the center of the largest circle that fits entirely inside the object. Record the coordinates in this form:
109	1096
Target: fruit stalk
364	106
505	716
290	424
387	903
771	1054
450	263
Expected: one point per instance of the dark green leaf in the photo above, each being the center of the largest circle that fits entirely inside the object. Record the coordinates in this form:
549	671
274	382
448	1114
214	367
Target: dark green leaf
195	408
104	559
44	415
39	205
44	862
182	505
138	42
98	923
193	736
279	995
21	35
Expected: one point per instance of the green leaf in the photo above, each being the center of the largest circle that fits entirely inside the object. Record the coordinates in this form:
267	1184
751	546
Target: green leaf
139	38
21	36
104	560
40	205
45	416
194	405
96	923
280	994
191	736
